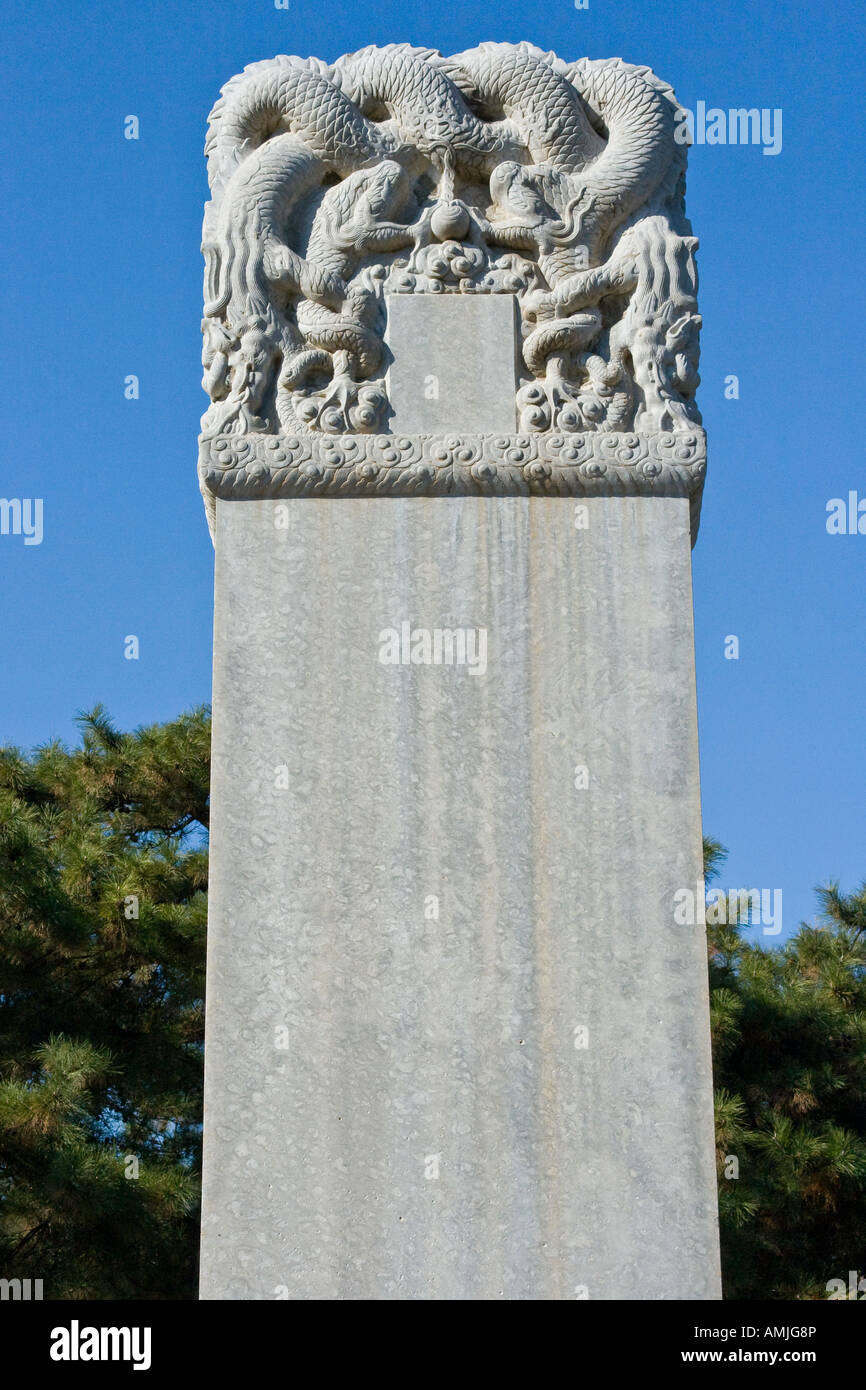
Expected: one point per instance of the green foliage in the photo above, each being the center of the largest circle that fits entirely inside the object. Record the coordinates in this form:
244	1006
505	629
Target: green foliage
103	876
789	1048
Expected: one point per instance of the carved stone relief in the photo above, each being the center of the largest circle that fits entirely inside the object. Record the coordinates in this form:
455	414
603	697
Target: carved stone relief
395	170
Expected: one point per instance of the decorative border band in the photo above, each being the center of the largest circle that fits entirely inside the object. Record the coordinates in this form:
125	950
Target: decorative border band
256	466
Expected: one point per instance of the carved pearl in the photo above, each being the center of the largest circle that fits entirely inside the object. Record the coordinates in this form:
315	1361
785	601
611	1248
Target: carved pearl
450	221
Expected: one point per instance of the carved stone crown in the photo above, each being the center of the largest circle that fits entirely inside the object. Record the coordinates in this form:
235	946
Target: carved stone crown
502	170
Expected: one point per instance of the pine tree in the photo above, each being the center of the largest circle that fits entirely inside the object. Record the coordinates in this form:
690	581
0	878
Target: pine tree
103	872
789	1045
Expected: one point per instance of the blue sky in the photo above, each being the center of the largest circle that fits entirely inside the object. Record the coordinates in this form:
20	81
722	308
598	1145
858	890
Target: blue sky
103	278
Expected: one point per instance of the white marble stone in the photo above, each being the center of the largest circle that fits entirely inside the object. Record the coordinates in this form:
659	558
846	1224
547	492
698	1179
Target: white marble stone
454	363
498	173
457	1045
395	1104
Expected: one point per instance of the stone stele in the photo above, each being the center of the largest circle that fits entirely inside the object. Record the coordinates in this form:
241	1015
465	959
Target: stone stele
457	1039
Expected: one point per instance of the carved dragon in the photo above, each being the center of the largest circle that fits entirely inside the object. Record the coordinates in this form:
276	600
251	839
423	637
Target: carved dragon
502	168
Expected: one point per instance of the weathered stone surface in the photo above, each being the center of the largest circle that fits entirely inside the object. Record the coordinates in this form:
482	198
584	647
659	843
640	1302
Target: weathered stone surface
454	361
347	795
457	1046
445	465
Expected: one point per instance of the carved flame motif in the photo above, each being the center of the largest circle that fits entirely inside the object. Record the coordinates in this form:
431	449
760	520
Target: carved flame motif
502	170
